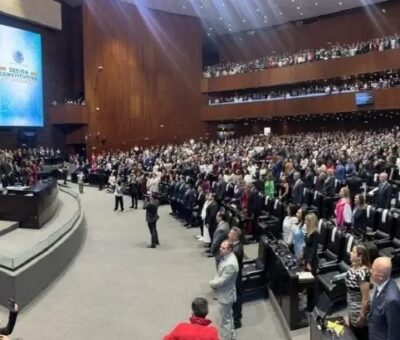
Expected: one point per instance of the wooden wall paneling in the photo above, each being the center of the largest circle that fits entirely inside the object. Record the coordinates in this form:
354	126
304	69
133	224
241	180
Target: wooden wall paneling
68	114
384	99
148	90
351	26
319	70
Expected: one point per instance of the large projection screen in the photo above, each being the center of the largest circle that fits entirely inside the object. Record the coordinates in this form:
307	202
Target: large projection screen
21	83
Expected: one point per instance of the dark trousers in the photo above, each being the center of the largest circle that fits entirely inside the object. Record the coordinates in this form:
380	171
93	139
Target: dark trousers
188	215
237	306
153	233
119	201
360	333
134	197
201	225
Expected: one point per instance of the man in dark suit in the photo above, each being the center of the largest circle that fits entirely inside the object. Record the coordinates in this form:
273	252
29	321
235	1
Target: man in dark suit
383	192
220	189
297	192
211	214
220	234
200	200
329	188
151	206
189	201
256	202
234	236
384	317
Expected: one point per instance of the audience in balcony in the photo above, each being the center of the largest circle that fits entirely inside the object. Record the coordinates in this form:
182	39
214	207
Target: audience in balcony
331	51
389	79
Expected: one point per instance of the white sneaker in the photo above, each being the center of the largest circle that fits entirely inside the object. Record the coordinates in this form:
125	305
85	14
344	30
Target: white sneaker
201	239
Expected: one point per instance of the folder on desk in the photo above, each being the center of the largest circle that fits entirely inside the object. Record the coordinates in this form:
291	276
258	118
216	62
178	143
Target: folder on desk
306	277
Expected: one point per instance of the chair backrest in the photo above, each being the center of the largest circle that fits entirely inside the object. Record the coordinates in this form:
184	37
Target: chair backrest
397	200
396	225
372	217
268	204
262	249
385	224
228	215
325	229
235	221
335	241
350	241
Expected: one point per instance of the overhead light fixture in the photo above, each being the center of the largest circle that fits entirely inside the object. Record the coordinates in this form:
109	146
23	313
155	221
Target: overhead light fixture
340	3
298	8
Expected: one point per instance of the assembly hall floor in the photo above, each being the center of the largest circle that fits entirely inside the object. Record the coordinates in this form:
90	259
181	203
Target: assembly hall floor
116	288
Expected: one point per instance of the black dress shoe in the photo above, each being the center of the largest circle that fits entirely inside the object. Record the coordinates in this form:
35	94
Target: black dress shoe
237	325
151	246
157	243
210	255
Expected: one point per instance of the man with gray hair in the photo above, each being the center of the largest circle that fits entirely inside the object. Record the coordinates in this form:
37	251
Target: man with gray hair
297	191
385	307
224	284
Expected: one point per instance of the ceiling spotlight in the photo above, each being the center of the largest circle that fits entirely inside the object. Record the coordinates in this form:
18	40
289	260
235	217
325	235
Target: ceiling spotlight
298	8
183	7
258	10
340	3
301	13
221	18
316	4
211	28
244	20
265	21
280	13
383	10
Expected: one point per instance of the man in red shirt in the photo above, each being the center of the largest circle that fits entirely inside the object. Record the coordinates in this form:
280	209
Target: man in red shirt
198	328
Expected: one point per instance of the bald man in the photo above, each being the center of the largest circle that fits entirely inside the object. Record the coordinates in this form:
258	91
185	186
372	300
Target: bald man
384	317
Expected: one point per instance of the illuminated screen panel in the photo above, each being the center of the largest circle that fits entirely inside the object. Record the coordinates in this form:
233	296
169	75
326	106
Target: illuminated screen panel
21	83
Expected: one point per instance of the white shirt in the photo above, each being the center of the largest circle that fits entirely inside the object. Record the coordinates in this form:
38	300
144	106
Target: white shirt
379	288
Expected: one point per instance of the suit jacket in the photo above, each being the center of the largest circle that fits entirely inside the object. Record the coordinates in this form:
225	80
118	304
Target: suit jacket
384	322
329	186
151	211
239	253
224	281
211	213
297	193
384	195
220	234
256	201
220	190
201	199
